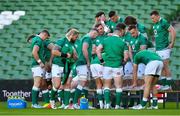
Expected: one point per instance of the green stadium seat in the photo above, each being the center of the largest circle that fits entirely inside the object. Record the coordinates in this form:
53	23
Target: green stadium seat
72	3
152	3
125	13
85	3
26	72
20	5
10	50
98	3
5	68
63	8
165	3
20	68
38	9
132	8
46	4
52	9
84	12
4	76
79	8
138	12
159	8
71	12
90	8
147	8
26	1
37	17
125	3
110	3
138	3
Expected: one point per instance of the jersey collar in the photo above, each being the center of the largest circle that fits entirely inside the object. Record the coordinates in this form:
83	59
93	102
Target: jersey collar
115	35
160	19
68	38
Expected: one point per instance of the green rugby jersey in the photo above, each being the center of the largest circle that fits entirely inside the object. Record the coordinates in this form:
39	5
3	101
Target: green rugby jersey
161	34
114	49
65	47
145	56
38	42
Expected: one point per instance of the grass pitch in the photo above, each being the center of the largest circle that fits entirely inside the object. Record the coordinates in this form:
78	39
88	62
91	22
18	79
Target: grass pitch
169	111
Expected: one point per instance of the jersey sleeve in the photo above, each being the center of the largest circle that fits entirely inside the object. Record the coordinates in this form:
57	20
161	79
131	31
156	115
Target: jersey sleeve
165	24
143	41
37	42
60	43
135	60
125	47
46	43
86	40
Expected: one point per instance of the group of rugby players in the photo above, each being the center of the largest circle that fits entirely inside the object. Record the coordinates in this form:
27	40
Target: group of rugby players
114	49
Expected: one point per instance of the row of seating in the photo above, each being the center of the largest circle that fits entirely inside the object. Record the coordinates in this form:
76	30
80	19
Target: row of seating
57	16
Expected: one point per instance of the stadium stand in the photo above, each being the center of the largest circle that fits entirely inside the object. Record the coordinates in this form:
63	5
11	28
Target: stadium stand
57	16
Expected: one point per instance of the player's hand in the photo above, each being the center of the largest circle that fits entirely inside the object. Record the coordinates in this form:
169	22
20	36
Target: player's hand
42	65
110	34
68	55
134	84
55	52
171	45
89	74
102	62
47	67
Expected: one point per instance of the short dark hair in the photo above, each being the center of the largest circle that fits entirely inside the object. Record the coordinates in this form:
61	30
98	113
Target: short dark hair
120	26
46	31
99	14
97	25
112	13
132	27
130	20
94	29
154	12
30	37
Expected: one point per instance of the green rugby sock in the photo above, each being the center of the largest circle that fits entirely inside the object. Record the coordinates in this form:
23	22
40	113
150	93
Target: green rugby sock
107	95
35	93
45	94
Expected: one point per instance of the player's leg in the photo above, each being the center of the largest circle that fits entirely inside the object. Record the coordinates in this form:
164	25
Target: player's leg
165	79
152	68
67	92
56	82
117	74
107	76
154	93
45	93
148	82
97	71
38	73
140	81
82	72
74	85
167	71
60	93
154	89
128	70
44	86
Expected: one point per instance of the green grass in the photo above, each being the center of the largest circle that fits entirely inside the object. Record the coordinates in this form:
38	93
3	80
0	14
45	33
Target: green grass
170	110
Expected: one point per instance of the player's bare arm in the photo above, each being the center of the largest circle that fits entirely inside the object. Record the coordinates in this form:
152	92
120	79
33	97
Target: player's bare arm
36	56
135	68
98	52
173	36
126	56
85	52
